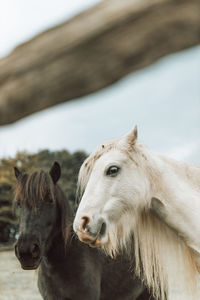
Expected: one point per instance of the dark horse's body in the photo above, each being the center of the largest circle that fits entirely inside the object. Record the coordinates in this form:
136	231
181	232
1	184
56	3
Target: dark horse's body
68	269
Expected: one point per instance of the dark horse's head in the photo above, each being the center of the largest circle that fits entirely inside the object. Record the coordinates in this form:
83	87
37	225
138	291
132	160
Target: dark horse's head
43	212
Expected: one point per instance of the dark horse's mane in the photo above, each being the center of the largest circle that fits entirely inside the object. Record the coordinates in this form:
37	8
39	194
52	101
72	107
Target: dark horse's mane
38	186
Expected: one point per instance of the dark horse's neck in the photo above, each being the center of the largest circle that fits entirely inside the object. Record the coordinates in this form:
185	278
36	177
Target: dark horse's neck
61	237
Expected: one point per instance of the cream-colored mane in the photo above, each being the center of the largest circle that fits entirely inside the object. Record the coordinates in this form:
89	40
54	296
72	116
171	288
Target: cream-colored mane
163	258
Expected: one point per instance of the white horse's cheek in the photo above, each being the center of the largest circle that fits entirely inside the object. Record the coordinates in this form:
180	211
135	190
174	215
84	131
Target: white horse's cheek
109	206
135	193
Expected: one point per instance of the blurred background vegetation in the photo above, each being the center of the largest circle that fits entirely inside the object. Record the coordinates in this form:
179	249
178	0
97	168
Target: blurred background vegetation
70	164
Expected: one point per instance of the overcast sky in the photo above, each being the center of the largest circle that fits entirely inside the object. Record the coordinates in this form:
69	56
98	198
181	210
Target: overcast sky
163	99
22	19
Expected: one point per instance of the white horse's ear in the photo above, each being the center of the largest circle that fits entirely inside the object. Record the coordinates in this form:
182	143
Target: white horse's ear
158	208
131	137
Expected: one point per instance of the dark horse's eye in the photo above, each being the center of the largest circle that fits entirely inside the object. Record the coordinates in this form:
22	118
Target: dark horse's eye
112	171
48	198
18	204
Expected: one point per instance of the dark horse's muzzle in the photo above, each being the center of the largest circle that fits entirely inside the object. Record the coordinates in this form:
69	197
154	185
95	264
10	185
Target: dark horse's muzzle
28	252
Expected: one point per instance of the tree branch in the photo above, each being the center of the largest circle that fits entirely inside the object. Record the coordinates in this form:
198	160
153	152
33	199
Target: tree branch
93	50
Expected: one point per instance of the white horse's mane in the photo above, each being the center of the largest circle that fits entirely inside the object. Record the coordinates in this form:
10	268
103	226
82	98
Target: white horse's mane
158	250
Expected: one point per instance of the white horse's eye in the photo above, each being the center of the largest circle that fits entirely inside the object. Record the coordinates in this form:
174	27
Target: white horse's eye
112	171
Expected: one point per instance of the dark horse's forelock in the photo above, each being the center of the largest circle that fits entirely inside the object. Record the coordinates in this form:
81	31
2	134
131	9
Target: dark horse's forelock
33	188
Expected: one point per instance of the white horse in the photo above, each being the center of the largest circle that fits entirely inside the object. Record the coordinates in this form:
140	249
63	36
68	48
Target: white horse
128	191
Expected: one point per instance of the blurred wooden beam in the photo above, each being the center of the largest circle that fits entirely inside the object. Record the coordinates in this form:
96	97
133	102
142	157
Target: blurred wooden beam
93	50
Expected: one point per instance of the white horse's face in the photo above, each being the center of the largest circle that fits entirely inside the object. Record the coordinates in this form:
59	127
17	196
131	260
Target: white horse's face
117	186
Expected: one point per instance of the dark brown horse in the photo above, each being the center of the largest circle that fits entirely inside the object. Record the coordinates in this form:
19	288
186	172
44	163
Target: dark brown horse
68	269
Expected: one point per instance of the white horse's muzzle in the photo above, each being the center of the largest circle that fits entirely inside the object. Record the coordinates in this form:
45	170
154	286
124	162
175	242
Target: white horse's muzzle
90	230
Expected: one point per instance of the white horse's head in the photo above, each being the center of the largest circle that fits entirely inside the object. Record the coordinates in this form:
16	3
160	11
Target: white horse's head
114	184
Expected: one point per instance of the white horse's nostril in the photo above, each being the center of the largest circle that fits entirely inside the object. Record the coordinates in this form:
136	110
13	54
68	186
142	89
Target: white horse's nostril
103	229
85	221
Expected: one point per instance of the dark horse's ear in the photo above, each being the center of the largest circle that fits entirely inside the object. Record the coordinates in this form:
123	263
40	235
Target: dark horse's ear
55	172
17	172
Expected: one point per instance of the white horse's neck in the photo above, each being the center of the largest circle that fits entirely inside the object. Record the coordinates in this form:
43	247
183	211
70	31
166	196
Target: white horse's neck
187	173
177	186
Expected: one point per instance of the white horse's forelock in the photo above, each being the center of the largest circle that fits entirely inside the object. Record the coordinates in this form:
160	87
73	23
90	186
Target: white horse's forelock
162	258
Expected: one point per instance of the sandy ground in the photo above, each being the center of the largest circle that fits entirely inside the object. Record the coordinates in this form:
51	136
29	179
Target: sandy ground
15	283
